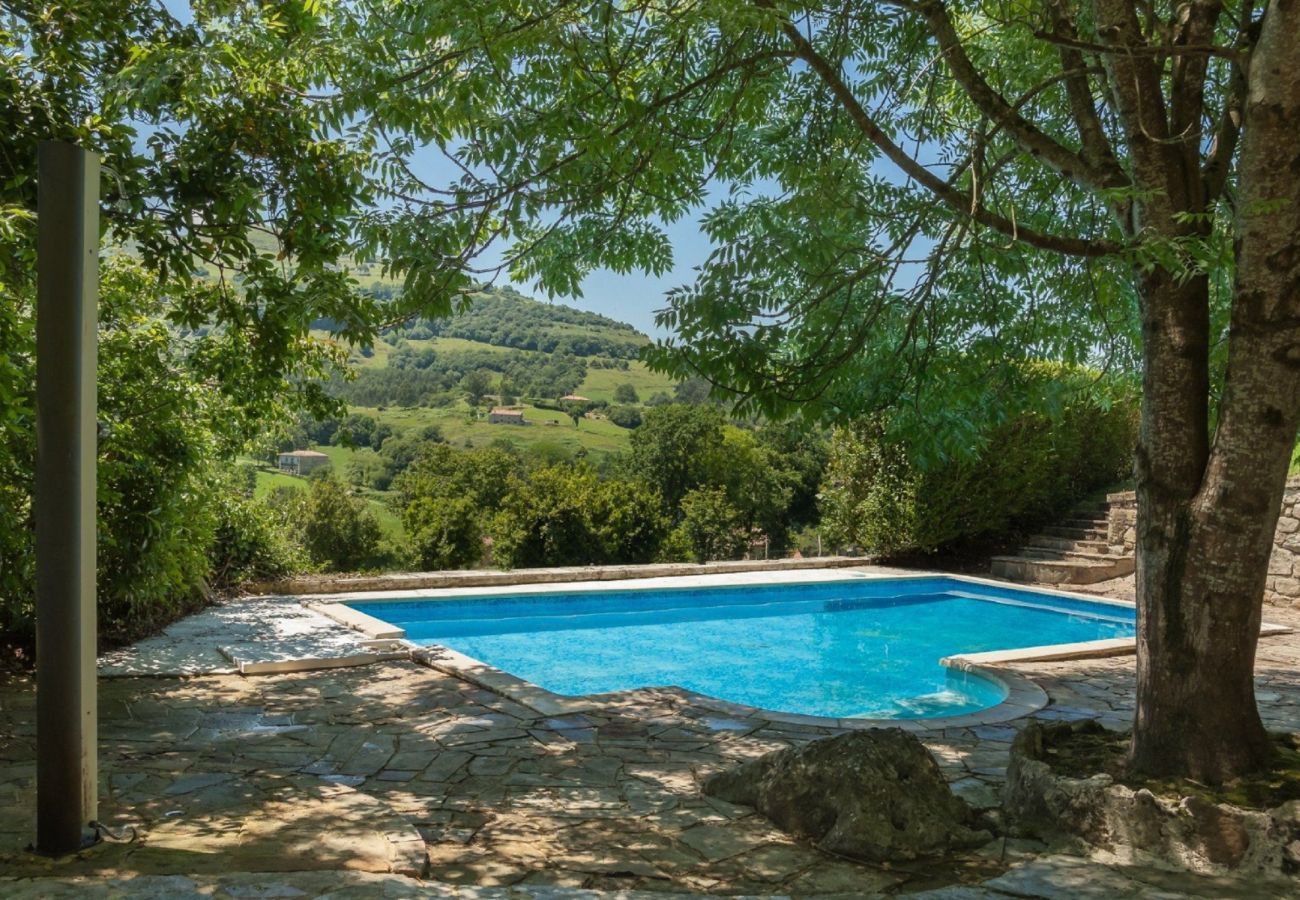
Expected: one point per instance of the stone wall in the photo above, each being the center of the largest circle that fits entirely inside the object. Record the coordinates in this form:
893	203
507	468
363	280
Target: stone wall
1121	521
1283	585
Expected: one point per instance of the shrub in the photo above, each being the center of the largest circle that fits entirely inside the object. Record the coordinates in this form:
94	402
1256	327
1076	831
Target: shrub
626	393
444	532
567	516
339	533
1031	467
251	542
625	416
710	528
162	516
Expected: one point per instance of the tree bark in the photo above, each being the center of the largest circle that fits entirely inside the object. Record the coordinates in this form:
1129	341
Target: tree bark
1207	516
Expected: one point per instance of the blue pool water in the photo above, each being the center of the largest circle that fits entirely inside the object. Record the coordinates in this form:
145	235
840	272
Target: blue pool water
868	647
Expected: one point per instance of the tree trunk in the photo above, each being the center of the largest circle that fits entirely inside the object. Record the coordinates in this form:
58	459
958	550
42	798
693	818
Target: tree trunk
1206	520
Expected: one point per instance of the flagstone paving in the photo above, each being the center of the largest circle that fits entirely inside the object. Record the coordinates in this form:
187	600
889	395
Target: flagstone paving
397	780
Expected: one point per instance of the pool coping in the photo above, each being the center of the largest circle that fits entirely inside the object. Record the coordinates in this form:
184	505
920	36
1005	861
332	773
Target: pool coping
1024	696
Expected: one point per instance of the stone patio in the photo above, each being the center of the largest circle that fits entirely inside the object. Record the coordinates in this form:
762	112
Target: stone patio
393	779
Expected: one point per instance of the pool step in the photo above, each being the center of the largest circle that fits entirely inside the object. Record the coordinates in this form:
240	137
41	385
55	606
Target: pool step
1076	550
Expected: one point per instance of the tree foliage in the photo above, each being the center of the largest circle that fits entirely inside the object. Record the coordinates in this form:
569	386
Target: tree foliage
411	379
1031	468
567	515
710	528
339	533
914	198
236	197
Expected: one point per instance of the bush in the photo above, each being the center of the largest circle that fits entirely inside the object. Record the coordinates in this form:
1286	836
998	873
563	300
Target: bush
626	393
339	533
251	542
165	512
710	528
1032	467
444	532
567	516
625	416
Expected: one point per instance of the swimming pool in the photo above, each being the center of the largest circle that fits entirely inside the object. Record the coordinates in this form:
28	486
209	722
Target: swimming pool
850	648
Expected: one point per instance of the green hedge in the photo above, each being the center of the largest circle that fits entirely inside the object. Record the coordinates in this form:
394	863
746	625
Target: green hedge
1032	467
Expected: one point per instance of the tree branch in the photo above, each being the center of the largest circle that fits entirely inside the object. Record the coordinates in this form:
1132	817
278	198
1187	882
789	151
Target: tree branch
1218	161
1097	148
1069	163
954	198
1196	25
1136	84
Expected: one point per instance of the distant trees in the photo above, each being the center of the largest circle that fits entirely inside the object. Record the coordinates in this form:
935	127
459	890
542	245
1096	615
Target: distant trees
476	385
357	430
409	358
711	527
505	318
681	448
481	475
528	374
692	390
574	410
626	393
625	416
676	447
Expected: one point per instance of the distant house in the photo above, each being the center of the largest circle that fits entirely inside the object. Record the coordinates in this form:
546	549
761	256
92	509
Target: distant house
302	462
574	398
500	415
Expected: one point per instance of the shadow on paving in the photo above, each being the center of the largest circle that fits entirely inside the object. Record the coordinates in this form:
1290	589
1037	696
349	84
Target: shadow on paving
395	768
393	771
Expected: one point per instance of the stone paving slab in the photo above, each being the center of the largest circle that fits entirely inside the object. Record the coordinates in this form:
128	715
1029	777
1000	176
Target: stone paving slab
1049	878
336	886
404	772
251	631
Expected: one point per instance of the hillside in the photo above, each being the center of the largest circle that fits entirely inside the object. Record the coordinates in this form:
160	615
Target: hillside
503	317
416	382
524	349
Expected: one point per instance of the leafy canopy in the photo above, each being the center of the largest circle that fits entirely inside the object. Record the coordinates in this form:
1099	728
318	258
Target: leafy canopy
817	138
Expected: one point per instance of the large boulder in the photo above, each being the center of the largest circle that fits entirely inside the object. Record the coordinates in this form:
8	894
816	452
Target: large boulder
873	795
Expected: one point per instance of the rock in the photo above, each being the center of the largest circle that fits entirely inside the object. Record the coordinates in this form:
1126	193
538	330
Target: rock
1041	804
874	795
1139	827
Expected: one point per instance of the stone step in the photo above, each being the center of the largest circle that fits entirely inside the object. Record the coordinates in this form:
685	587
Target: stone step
1047	542
1078	534
1050	571
1081	555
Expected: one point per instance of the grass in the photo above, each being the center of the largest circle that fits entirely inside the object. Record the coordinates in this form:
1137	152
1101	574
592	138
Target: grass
1082	752
600	383
598	437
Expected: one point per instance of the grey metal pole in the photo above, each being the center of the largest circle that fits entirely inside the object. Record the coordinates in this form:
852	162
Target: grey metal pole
67	287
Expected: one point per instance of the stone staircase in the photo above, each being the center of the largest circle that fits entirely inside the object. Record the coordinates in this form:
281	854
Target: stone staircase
1087	547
